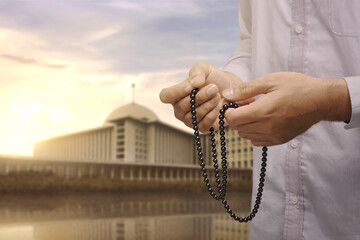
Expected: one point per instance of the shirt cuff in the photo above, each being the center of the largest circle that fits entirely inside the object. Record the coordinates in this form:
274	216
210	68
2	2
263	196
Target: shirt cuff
353	84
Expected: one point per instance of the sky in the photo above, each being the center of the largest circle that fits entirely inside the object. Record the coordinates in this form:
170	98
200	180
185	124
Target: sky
66	64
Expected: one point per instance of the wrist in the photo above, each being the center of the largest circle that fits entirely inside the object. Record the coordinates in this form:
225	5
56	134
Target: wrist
337	100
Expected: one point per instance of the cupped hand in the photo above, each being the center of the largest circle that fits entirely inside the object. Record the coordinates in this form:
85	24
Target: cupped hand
211	81
291	103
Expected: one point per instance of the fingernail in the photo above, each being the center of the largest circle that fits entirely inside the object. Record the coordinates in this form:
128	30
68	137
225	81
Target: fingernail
212	89
228	93
215	99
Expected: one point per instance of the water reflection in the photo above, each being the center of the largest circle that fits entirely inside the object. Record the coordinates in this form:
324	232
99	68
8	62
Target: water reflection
120	217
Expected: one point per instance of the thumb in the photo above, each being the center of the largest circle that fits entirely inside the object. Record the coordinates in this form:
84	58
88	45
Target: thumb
247	90
199	73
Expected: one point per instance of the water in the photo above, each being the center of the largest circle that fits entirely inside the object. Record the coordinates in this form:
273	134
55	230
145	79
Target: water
135	216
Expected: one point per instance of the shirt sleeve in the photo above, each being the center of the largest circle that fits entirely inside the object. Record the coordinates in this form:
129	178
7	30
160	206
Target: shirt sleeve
353	84
240	62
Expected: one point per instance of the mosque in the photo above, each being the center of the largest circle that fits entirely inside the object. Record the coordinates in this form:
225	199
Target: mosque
133	133
132	144
130	134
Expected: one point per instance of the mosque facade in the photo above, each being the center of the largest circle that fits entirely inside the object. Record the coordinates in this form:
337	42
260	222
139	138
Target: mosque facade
133	134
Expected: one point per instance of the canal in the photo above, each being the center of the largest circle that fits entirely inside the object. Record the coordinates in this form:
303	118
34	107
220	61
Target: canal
115	216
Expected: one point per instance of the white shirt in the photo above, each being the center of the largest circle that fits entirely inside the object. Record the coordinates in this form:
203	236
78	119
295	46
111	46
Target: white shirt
312	182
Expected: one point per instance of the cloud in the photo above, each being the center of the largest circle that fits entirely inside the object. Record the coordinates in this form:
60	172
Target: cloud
130	36
31	61
76	60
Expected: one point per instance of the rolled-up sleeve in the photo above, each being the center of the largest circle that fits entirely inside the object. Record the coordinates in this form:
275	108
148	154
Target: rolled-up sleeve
353	84
240	62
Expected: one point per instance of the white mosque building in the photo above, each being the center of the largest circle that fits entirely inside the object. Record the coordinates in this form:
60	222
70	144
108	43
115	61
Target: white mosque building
133	133
132	144
130	134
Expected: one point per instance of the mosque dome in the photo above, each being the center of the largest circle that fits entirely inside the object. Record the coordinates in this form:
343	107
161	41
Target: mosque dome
132	110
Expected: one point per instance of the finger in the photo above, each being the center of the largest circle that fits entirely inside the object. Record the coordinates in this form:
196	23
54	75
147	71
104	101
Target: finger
205	94
243	115
198	74
241	102
262	143
210	120
258	139
245	102
254	136
254	127
248	89
202	112
176	92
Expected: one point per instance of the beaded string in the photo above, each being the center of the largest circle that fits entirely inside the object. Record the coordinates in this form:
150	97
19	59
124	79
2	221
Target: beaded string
222	184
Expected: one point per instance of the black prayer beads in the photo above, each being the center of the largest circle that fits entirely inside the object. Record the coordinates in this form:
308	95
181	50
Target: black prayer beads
222	184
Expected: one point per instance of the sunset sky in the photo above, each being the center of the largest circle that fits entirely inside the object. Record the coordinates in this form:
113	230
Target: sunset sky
65	65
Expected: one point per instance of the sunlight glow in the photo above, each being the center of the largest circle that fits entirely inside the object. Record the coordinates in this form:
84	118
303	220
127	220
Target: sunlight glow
17	232
45	94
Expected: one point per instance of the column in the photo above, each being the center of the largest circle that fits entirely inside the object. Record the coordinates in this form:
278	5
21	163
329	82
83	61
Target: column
88	147
91	171
122	177
67	171
131	173
101	146
171	174
156	174
78	169
96	146
112	172
178	177
6	168
148	174
140	173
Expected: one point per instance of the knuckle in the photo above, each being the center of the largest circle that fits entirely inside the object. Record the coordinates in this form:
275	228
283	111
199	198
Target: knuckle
203	128
199	68
195	68
177	115
200	64
181	108
205	114
275	75
243	89
231	120
204	125
162	96
188	122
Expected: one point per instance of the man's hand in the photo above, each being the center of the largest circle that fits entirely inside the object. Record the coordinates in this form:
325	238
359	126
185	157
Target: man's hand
211	81
292	103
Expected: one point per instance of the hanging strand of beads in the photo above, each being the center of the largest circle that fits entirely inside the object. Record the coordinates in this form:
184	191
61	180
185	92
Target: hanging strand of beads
222	184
